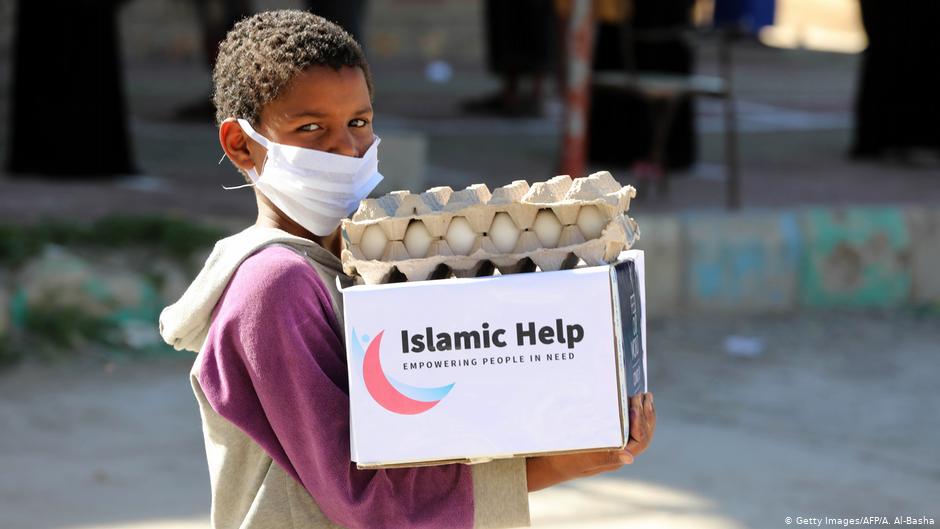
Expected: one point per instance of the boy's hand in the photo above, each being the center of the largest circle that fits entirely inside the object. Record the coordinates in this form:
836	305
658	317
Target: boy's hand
546	471
642	423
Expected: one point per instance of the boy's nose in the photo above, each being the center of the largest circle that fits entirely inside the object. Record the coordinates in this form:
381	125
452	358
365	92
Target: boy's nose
343	143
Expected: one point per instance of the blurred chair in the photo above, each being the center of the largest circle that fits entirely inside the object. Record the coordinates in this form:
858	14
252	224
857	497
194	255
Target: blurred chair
666	91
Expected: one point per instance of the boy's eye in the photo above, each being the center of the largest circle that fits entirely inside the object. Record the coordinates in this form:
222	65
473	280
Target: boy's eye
358	123
309	127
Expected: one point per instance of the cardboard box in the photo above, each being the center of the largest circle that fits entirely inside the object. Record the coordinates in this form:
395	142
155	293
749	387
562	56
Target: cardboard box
494	367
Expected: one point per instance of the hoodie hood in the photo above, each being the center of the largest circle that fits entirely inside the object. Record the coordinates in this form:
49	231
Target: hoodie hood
185	324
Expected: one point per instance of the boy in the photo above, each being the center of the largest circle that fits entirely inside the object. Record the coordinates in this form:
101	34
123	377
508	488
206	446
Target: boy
293	96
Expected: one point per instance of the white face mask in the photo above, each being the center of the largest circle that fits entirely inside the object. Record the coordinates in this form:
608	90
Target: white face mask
316	189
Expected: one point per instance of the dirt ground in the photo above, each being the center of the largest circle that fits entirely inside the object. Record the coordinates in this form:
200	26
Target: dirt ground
835	417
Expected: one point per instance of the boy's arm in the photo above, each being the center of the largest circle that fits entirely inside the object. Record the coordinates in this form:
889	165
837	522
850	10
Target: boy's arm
275	367
545	471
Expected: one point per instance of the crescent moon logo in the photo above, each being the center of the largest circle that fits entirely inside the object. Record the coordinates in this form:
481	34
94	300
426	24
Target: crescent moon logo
390	394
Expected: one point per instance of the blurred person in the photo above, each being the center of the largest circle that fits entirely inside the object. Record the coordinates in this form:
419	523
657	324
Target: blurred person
649	37
216	18
745	18
67	77
520	46
898	104
294	105
347	14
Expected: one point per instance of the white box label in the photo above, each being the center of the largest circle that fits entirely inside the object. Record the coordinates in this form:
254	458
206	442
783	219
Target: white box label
475	368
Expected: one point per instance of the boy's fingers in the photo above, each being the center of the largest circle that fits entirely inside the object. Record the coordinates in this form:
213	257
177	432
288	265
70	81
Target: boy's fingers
634	447
636	426
625	457
617	458
613	459
642	424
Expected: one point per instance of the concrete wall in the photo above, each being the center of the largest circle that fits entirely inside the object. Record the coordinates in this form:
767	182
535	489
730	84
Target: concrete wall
746	263
161	30
873	257
855	257
426	29
924	229
166	30
749	260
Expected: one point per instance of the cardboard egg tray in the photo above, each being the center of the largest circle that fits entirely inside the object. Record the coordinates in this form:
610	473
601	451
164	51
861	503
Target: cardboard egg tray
438	207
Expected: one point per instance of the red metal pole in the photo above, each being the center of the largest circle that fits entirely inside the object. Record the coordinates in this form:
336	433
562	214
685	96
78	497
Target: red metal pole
579	51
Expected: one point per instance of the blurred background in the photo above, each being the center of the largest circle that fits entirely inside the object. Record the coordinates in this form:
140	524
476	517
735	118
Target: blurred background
787	155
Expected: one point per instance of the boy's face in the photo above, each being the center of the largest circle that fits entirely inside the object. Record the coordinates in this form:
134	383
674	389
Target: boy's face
324	109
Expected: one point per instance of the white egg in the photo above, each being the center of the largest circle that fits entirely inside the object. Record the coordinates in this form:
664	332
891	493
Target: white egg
373	242
460	236
591	222
547	228
417	239
504	233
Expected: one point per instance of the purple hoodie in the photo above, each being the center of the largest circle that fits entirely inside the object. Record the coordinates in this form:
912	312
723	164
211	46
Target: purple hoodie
274	364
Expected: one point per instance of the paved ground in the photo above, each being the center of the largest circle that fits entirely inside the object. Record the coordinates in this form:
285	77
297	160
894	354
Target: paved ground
837	417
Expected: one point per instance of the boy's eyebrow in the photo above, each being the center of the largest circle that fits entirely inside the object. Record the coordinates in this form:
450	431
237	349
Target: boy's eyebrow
318	114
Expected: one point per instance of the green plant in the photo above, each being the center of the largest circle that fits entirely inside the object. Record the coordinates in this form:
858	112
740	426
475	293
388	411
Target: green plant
66	327
9	355
176	238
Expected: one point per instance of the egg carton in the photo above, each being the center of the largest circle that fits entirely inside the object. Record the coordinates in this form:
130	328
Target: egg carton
551	225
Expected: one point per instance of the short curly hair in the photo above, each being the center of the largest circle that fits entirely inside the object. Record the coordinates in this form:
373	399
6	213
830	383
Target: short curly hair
263	53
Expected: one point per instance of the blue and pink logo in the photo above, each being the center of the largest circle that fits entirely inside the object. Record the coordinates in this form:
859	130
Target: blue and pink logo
394	396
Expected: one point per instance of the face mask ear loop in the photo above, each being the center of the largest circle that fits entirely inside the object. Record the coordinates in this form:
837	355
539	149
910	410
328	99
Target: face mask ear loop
253	178
264	162
264	143
235	187
238	187
252	133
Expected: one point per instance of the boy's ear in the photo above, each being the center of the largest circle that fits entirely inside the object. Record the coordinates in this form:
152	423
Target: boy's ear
235	143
